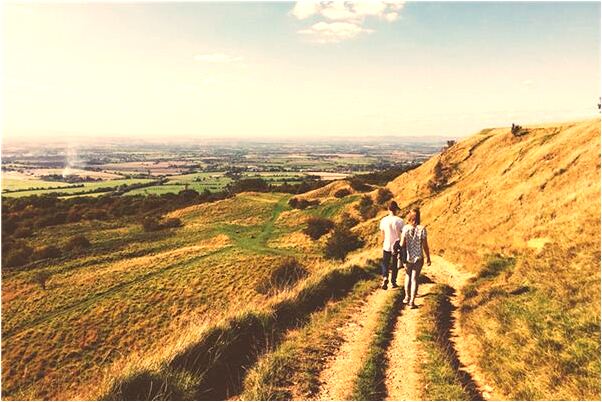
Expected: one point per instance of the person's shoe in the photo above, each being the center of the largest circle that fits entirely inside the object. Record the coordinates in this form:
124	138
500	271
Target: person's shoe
385	283
394	285
412	305
406	300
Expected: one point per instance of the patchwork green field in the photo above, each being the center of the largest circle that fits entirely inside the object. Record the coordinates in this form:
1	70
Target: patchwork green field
89	187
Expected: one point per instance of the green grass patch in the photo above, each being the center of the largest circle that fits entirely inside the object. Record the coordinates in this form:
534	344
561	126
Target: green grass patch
89	187
439	368
370	385
537	322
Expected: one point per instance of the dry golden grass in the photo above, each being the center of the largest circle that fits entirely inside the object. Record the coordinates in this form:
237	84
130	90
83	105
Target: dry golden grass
135	294
503	191
327	191
535	321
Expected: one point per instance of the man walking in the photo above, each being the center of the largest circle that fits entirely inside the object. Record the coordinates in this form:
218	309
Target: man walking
390	226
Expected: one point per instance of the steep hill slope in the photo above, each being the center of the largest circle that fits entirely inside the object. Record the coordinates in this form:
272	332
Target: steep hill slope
495	192
523	214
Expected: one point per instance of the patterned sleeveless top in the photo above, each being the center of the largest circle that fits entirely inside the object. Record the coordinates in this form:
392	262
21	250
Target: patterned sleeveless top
413	236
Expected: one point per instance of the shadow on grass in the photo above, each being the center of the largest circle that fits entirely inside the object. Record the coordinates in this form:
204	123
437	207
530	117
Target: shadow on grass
445	322
214	367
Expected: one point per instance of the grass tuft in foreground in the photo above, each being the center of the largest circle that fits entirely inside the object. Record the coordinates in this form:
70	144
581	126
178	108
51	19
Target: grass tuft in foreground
439	368
536	322
370	384
213	367
292	370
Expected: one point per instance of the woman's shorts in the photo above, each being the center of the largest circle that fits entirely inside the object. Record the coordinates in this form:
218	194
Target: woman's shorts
414	266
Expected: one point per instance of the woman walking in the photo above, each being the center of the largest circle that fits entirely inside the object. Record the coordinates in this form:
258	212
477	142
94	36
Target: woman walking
413	238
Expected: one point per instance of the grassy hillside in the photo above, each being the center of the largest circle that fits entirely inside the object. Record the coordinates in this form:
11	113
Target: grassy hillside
524	214
239	301
131	291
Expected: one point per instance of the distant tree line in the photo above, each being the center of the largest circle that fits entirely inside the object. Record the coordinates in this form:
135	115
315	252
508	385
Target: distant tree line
382	177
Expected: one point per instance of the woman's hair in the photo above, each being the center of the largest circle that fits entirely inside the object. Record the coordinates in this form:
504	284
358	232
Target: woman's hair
414	217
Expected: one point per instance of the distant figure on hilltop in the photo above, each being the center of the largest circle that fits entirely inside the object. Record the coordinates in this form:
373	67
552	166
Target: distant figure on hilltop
414	240
390	227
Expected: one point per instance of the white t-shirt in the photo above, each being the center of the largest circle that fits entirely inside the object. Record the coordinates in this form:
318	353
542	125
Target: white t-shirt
413	235
391	225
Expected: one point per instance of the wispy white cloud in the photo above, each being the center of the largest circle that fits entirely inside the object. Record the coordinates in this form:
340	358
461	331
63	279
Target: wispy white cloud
333	32
335	21
217	58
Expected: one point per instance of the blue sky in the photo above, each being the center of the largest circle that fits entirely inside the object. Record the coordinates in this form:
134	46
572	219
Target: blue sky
248	69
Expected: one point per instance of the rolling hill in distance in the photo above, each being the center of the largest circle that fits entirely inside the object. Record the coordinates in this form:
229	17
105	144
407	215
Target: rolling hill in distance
269	295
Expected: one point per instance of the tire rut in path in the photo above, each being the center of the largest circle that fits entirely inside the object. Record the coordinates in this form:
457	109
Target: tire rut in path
338	378
402	380
443	271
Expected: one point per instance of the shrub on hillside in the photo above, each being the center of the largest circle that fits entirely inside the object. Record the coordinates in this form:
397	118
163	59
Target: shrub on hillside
383	195
78	242
366	207
284	276
41	277
16	258
359	185
341	243
518	131
151	224
343	192
318	227
382	177
22	232
439	179
43	252
172	223
302	203
347	221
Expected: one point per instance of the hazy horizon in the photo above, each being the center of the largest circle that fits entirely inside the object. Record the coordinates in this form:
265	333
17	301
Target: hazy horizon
186	71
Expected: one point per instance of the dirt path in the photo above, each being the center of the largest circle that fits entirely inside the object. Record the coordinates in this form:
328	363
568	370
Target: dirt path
338	377
443	271
402	380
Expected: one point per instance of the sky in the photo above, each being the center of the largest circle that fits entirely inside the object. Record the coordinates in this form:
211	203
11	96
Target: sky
294	70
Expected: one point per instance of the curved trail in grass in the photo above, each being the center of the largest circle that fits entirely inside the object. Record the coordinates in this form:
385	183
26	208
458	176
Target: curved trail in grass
402	380
337	379
258	245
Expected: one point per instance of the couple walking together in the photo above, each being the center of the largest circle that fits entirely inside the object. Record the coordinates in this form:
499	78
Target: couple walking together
404	246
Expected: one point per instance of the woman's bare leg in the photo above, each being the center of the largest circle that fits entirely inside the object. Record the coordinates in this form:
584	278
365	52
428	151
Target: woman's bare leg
406	286
414	285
